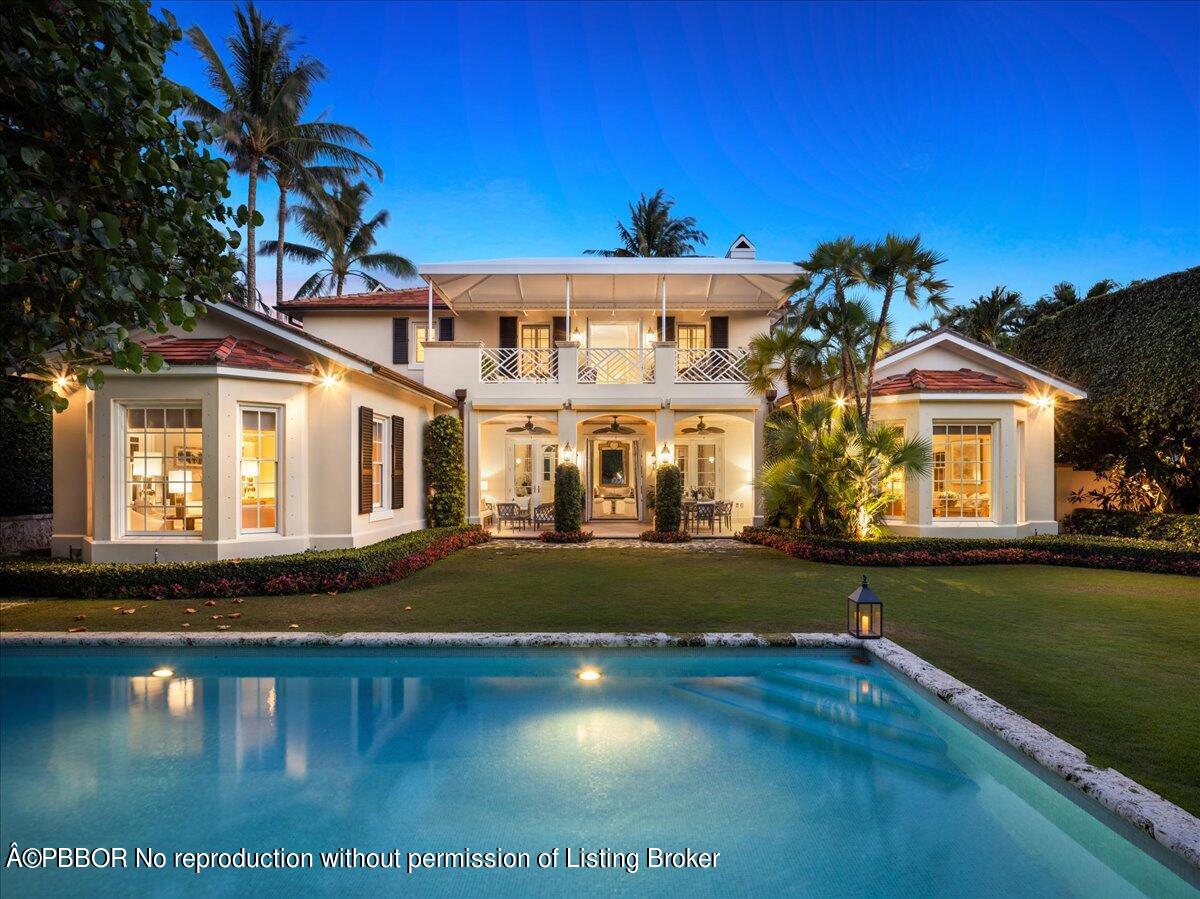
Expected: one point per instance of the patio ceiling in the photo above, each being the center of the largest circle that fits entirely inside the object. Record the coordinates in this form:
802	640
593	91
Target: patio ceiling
692	283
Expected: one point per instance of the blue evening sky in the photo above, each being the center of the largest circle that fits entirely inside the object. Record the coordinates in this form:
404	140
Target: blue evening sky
1029	143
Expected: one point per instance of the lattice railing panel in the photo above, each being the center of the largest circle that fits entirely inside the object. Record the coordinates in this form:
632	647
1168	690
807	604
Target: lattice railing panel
533	366
711	366
626	365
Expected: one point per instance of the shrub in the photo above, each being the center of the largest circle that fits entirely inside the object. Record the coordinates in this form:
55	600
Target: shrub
666	537
567	536
1082	552
309	572
1134	350
568	499
445	472
668	492
1181	529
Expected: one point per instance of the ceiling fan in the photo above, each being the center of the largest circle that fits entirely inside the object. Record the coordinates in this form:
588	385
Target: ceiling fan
528	428
613	428
703	429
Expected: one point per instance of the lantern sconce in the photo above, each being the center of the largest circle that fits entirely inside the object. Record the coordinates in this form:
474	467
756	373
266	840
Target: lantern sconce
568	454
664	454
864	613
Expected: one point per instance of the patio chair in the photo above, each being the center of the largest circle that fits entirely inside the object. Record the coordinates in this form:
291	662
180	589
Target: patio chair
705	512
724	514
543	514
513	514
687	509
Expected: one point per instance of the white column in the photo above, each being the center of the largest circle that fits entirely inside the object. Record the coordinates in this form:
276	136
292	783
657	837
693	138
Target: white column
568	335
429	317
756	461
662	331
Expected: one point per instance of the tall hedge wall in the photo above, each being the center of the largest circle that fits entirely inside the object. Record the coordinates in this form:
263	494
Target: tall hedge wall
26	464
445	472
1136	352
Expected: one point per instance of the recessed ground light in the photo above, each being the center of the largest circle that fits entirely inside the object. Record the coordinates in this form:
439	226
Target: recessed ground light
589	675
163	672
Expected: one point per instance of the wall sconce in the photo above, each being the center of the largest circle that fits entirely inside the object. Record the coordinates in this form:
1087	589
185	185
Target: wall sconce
330	379
575	335
483	484
664	454
1044	401
568	454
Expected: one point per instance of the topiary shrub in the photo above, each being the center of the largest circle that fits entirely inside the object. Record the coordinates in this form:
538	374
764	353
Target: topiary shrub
568	499
1178	528
668	497
445	472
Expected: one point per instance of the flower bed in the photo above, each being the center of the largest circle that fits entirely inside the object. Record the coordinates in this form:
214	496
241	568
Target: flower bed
310	572
1083	552
666	537
567	536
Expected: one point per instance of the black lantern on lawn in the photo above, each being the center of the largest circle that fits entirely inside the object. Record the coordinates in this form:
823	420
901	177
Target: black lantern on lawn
864	613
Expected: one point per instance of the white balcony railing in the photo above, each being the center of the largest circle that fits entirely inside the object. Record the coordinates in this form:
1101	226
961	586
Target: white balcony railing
625	365
532	366
710	366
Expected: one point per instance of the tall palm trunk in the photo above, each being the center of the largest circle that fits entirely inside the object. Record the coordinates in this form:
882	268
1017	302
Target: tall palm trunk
879	326
282	222
251	249
341	283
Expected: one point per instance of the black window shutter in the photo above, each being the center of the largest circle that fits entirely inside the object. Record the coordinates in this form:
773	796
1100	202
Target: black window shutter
508	332
560	328
446	328
398	461
670	335
366	421
720	331
399	341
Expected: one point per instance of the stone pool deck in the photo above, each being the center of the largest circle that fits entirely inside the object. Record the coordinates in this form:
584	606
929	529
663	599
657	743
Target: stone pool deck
1167	823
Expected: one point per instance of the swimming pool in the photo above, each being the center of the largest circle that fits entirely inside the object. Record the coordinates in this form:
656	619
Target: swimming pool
810	772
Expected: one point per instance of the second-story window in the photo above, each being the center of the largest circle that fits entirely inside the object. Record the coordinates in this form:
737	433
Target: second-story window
692	337
420	335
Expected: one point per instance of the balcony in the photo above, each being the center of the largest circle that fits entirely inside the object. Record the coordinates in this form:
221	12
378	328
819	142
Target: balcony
528	366
711	366
626	365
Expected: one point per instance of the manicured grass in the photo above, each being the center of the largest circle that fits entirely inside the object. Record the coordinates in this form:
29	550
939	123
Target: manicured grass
1108	660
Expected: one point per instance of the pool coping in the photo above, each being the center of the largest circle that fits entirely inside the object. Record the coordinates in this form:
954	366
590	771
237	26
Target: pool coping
1168	824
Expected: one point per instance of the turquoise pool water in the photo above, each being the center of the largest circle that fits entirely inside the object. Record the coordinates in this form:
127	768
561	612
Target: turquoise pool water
812	773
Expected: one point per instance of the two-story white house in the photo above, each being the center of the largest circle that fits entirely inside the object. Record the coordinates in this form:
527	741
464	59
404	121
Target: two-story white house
267	434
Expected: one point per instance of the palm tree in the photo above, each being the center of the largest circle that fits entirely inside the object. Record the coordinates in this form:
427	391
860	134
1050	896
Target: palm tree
343	240
898	263
829	274
654	231
994	318
785	354
262	97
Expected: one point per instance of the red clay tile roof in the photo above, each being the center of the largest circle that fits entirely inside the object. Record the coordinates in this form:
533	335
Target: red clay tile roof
233	351
965	380
406	298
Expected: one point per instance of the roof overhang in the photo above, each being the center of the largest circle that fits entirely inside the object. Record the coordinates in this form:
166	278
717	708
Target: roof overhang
980	353
692	283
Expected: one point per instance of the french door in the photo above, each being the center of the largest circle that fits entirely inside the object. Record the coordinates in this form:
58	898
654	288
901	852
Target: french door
530	470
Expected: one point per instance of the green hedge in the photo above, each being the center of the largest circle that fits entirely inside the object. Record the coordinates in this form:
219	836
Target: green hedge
309	572
1135	352
668	492
445	472
27	475
568	499
1078	551
1183	530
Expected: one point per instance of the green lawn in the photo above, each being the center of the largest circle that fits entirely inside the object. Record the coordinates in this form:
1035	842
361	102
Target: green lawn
1108	660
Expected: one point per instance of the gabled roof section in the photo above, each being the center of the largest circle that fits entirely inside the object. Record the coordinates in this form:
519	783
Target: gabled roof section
965	380
974	350
318	346
230	351
377	299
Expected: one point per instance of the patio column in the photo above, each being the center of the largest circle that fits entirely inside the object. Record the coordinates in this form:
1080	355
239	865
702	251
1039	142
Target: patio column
568	289
429	316
756	460
662	328
473	435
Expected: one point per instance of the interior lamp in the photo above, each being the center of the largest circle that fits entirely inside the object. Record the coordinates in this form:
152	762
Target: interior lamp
146	468
179	481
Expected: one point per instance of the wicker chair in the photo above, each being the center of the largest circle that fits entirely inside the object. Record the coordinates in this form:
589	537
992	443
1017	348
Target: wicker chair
543	515
513	514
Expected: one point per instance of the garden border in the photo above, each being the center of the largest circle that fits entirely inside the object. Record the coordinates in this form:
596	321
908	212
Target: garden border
1169	825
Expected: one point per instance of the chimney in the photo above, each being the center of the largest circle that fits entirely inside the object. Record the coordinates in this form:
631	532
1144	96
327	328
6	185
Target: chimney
741	249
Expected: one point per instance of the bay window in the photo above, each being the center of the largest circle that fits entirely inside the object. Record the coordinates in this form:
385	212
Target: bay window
962	471
162	467
258	469
894	483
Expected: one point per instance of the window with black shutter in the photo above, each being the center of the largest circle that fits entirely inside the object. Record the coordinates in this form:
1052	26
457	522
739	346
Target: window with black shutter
446	328
560	328
400	341
508	332
719	325
366	422
398	461
670	335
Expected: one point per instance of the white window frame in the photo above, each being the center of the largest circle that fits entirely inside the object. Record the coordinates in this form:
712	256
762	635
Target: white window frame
680	326
384	509
278	410
416	345
993	501
120	506
692	465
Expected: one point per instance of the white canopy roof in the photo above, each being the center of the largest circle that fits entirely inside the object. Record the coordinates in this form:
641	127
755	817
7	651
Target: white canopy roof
597	282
